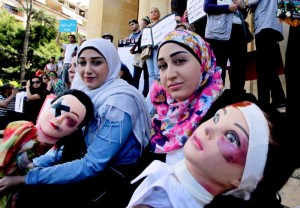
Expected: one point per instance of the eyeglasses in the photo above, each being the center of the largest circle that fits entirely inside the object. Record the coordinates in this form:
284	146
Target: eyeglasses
36	82
44	77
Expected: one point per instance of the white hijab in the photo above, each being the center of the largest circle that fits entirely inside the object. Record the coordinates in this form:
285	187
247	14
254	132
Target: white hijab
115	91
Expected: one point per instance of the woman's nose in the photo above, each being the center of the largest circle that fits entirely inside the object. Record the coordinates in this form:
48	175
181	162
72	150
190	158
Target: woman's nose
171	72
88	68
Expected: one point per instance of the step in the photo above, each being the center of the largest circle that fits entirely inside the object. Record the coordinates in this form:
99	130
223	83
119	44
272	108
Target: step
290	193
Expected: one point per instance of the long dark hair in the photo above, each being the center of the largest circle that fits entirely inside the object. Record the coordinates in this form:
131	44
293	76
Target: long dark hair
42	88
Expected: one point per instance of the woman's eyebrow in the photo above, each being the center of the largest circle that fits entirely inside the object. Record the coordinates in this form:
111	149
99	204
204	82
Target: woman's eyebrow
176	53
172	54
242	128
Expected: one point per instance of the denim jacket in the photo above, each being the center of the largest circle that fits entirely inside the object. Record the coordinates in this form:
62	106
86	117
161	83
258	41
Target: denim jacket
108	142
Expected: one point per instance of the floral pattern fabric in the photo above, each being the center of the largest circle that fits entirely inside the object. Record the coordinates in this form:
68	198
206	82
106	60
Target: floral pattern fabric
174	121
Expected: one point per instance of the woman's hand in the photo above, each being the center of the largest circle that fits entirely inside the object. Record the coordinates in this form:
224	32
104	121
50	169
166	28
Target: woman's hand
233	7
30	165
8	181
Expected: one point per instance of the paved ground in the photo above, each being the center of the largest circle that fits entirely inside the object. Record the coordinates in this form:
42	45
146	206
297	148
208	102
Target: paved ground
290	193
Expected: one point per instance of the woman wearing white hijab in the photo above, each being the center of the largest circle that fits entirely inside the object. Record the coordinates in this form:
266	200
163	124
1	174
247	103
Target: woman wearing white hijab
115	137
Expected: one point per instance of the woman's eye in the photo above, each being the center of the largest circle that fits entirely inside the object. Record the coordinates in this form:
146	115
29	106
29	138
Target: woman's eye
162	66
233	138
179	61
82	63
96	63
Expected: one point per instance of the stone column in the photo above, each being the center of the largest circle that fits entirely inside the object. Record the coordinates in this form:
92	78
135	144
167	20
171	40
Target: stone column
95	18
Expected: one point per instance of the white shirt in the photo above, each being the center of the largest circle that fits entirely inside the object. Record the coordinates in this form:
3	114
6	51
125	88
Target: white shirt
169	186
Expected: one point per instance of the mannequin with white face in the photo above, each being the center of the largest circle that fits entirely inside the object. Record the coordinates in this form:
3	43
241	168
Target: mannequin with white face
219	158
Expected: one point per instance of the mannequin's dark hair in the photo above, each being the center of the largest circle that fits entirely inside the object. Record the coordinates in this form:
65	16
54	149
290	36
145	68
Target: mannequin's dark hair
73	145
279	166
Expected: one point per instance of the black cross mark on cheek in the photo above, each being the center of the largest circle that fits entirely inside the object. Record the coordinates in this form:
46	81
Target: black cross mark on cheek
59	107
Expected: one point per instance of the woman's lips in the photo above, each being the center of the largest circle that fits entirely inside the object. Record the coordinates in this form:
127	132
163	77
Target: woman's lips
89	79
174	86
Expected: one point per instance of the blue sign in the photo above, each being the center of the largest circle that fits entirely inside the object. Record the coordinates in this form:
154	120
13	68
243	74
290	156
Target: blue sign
67	25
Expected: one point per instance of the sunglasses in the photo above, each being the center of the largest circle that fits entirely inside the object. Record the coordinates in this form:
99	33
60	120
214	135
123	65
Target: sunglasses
36	82
44	77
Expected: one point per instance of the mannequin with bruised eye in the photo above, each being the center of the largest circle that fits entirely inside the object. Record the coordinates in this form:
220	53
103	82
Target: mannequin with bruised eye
225	155
59	125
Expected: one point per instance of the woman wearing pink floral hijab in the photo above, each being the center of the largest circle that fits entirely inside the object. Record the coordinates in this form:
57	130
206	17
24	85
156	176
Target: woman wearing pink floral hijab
190	81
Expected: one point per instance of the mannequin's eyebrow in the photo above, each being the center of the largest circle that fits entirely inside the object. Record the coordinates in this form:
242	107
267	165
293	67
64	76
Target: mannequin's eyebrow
242	128
75	113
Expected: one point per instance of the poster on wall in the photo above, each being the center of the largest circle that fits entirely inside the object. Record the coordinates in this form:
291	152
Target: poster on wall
195	10
67	25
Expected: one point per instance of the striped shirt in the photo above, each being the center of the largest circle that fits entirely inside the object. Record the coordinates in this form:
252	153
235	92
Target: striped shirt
11	105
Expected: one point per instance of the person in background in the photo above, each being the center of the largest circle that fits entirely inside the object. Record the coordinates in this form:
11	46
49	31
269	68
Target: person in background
68	50
23	85
151	62
36	92
72	68
226	33
56	85
184	26
115	137
7	102
124	72
133	38
268	33
51	66
39	73
60	64
23	141
46	81
179	7
225	155
108	36
140	65
135	29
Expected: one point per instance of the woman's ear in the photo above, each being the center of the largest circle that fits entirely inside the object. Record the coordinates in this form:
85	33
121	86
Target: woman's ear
236	183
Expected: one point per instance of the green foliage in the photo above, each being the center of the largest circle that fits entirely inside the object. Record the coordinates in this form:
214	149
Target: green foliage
14	83
40	48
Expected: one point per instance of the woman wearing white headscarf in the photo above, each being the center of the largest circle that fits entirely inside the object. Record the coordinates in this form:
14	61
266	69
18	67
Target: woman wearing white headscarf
115	137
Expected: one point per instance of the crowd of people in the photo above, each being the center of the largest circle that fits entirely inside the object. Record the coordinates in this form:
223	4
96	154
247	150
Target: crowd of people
182	141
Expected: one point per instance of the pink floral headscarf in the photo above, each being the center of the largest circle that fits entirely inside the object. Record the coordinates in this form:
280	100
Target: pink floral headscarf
174	121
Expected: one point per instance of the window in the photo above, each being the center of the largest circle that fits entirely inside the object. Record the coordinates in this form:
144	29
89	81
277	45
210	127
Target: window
11	9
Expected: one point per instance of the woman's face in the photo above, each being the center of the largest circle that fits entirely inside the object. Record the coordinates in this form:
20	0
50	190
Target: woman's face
72	69
61	118
36	83
179	71
92	68
45	79
154	14
52	75
143	24
217	150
